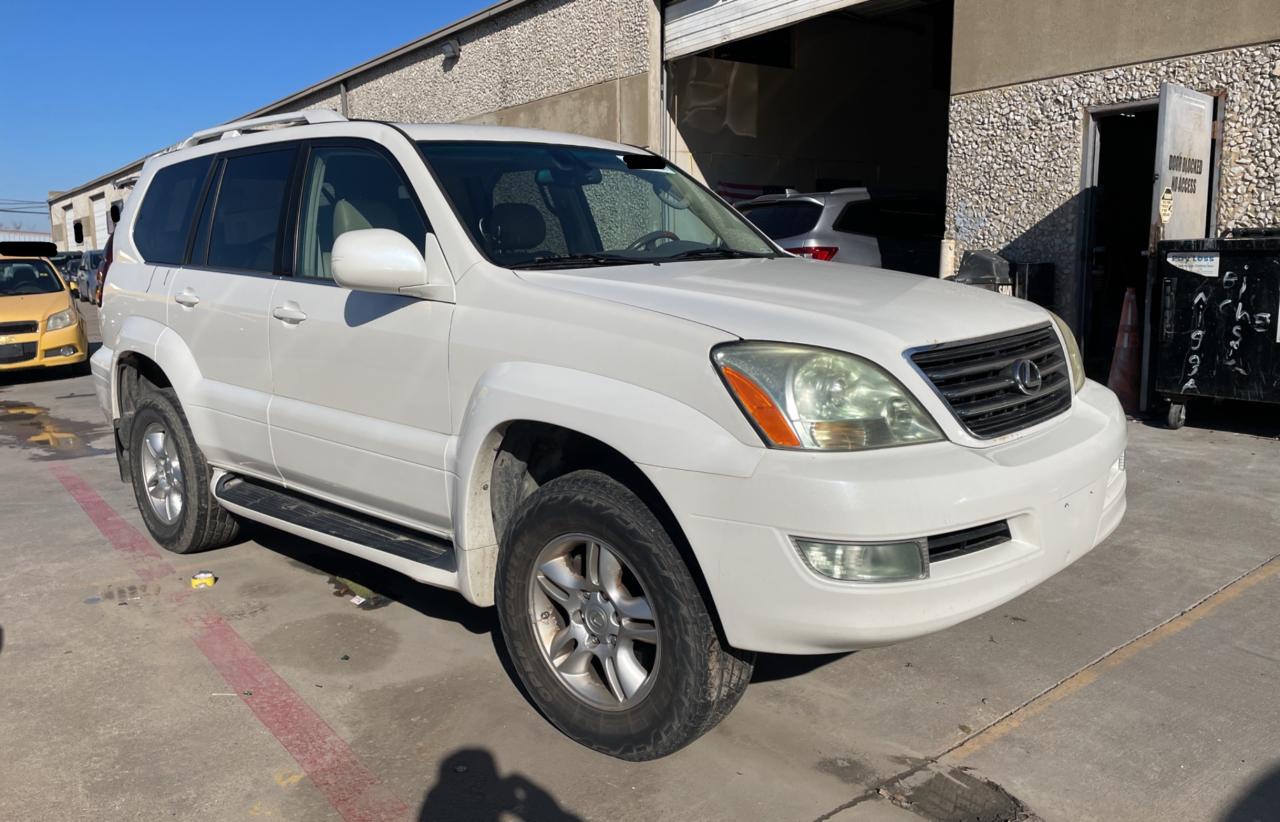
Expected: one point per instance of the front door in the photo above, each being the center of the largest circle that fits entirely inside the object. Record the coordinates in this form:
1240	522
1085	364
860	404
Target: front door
360	412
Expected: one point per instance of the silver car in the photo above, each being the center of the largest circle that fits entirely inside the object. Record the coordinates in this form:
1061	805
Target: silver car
850	225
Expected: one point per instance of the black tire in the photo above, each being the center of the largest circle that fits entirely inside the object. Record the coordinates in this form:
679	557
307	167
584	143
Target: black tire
202	523
698	678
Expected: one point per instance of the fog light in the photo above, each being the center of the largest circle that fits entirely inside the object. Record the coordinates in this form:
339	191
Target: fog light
64	351
866	562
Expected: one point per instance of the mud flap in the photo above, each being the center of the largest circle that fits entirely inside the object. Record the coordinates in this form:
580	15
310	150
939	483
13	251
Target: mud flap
122	455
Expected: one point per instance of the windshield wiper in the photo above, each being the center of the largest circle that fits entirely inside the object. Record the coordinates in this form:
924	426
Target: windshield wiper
578	260
710	253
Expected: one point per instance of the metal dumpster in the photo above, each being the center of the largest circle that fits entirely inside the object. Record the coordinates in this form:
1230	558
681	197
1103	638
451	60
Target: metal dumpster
1217	332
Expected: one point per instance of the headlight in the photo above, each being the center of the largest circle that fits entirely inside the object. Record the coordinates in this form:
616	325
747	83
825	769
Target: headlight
1073	352
817	399
62	319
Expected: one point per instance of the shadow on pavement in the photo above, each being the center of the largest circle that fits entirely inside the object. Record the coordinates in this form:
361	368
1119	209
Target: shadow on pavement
469	787
436	603
1253	418
1261	803
775	667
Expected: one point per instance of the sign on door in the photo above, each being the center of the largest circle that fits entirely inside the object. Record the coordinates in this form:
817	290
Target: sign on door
1184	140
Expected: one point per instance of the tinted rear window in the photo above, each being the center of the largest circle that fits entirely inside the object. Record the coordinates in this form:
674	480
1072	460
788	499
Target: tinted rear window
164	219
246	219
780	220
891	218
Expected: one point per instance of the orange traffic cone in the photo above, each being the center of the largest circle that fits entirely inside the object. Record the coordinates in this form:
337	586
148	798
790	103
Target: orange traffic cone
1126	362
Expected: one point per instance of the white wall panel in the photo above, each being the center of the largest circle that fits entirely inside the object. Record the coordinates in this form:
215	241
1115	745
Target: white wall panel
691	26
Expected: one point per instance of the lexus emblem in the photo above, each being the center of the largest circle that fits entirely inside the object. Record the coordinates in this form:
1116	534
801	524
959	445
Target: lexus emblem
1026	375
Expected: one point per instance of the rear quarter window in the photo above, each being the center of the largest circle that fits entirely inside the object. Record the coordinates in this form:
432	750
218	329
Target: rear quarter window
780	220
164	218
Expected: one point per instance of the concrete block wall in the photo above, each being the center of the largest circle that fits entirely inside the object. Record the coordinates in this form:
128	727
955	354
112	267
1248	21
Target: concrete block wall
1015	153
571	65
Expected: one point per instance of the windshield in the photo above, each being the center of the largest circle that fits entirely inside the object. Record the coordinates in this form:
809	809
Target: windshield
533	205
19	277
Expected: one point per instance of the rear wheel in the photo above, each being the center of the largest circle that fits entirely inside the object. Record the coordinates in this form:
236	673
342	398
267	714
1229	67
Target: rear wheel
171	478
605	623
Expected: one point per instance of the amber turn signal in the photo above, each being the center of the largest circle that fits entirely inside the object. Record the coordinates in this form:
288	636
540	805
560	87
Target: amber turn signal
767	416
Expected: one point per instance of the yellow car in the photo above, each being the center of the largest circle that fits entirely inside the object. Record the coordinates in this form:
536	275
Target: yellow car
40	325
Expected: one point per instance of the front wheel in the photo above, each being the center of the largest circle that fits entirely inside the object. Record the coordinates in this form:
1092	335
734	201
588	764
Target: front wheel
605	624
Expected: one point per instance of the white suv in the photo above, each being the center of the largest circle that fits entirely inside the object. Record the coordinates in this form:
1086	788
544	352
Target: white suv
557	375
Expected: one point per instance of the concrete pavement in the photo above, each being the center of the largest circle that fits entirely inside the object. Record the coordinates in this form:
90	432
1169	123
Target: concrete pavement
1141	683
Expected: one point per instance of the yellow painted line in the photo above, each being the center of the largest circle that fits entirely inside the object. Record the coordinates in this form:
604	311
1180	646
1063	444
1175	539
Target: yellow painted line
1037	705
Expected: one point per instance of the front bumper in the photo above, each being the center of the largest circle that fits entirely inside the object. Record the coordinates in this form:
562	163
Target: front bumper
1061	491
42	344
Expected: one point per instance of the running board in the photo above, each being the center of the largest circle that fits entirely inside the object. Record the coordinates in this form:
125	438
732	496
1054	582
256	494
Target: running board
332	524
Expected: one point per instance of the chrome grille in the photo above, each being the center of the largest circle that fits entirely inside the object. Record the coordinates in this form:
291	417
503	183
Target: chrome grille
976	379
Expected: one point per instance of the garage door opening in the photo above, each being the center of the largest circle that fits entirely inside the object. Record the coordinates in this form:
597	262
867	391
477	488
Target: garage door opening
854	98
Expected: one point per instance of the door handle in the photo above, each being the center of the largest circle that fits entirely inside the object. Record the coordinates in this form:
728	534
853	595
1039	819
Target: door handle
289	313
187	298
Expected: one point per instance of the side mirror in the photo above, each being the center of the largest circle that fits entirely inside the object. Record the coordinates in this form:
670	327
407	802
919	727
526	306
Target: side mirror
378	260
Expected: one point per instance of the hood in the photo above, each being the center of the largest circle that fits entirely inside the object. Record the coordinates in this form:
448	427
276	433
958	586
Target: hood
32	307
867	311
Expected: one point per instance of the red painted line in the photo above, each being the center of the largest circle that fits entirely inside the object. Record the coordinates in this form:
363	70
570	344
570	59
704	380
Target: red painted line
145	558
324	756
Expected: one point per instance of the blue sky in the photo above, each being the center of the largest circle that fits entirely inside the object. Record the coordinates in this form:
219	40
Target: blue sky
90	86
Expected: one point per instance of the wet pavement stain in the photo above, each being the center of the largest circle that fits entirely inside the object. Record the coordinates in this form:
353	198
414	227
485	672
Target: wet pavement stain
31	427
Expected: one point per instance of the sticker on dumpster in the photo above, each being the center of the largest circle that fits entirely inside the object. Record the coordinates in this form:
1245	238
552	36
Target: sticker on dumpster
1197	262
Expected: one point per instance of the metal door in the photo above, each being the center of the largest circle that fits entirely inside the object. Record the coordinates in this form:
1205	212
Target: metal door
100	222
1180	196
1184	141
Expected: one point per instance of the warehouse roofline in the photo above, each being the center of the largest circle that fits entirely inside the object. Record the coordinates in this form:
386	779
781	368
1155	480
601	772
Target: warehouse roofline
439	34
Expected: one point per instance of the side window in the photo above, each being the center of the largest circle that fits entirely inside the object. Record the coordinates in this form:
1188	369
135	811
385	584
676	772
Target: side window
164	218
246	217
858	217
347	189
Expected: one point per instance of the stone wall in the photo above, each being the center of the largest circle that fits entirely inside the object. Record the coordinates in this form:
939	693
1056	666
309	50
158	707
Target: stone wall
1015	153
535	51
567	65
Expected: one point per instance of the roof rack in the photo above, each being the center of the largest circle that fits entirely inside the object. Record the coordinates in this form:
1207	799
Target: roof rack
234	129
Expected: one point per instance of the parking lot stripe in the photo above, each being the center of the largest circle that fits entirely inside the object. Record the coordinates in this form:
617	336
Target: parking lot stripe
1117	656
324	756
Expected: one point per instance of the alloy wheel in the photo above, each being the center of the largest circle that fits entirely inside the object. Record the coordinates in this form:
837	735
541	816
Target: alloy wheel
162	473
593	622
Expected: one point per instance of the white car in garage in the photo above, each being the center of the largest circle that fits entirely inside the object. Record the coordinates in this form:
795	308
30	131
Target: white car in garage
559	376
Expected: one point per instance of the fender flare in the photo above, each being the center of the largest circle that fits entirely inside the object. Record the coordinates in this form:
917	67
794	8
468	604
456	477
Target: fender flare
158	343
645	426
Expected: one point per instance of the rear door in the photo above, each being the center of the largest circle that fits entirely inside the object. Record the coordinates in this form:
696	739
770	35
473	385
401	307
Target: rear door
218	303
360	413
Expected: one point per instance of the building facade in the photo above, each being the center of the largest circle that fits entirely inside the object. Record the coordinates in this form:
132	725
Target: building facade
1024	127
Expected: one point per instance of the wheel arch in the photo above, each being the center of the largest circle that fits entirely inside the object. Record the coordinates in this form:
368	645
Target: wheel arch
527	424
